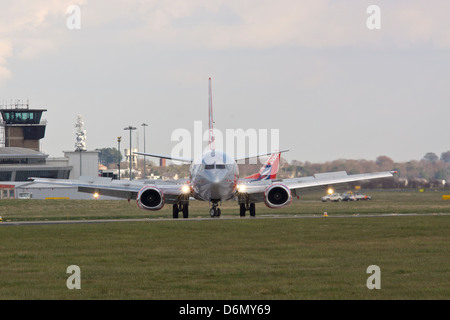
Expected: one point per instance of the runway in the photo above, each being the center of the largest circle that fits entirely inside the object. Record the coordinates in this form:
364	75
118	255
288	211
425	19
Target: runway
303	216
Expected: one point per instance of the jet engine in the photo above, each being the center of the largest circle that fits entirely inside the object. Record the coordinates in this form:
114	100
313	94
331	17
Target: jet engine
277	196
150	198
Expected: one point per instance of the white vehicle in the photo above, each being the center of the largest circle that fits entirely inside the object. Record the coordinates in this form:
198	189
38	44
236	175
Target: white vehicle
214	177
25	195
332	197
361	196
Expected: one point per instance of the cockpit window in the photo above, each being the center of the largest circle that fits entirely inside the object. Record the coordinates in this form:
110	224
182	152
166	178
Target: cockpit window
214	166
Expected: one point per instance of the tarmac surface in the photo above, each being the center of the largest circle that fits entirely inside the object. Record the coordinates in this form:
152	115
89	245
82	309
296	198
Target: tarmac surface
303	216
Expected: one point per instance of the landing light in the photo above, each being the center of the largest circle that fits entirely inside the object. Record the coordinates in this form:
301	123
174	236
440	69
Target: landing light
241	188
185	189
96	195
330	191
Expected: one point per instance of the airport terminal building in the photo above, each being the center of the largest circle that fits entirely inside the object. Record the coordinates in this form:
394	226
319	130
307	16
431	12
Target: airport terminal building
21	130
20	164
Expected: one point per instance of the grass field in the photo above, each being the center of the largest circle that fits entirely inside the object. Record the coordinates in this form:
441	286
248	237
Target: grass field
309	204
317	258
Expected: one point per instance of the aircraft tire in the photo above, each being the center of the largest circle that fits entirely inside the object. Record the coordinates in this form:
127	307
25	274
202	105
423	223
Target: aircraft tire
185	211
242	210
175	211
252	210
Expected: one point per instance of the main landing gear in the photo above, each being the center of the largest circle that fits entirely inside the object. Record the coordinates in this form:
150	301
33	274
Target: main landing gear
214	212
184	208
247	207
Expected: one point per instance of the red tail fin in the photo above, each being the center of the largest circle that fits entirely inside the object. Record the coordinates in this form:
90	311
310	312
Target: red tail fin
269	170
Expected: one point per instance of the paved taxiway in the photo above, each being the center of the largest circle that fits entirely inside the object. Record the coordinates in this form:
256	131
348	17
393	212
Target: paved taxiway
303	216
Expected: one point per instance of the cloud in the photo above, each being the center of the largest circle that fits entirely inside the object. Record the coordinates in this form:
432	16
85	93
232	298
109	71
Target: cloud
268	24
418	23
31	29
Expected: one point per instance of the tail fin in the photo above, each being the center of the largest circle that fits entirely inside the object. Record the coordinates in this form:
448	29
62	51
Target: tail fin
269	170
211	121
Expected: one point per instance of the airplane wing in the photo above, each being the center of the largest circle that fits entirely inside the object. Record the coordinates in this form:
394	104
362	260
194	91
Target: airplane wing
258	155
331	178
172	189
256	191
164	157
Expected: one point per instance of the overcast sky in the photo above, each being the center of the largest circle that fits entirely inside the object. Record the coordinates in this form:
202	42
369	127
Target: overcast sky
312	69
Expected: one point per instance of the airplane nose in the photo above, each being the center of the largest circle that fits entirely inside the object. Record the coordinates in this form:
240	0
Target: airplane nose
217	184
215	190
214	177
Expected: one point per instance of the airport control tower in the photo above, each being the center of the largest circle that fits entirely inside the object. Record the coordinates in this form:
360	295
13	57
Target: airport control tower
22	127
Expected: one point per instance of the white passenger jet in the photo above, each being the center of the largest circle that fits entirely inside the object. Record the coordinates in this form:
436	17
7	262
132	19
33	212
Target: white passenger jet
214	177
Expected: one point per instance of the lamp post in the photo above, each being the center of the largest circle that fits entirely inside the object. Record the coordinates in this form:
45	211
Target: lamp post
145	163
131	153
118	146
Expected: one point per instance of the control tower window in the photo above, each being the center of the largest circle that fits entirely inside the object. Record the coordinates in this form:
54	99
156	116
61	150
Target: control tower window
21	116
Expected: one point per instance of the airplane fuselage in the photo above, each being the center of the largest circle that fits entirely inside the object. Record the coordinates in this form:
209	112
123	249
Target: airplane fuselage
214	177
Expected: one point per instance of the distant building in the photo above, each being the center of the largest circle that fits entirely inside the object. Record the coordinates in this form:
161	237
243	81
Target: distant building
134	157
84	163
21	158
21	130
22	127
20	164
7	191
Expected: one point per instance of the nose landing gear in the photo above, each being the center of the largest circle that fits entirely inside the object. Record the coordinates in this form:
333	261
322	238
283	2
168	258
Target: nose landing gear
214	212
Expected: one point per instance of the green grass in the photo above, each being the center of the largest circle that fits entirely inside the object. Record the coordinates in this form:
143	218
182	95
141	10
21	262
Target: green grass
321	258
309	203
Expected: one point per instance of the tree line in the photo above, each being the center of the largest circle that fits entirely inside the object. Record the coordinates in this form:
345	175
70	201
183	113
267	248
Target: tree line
430	171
